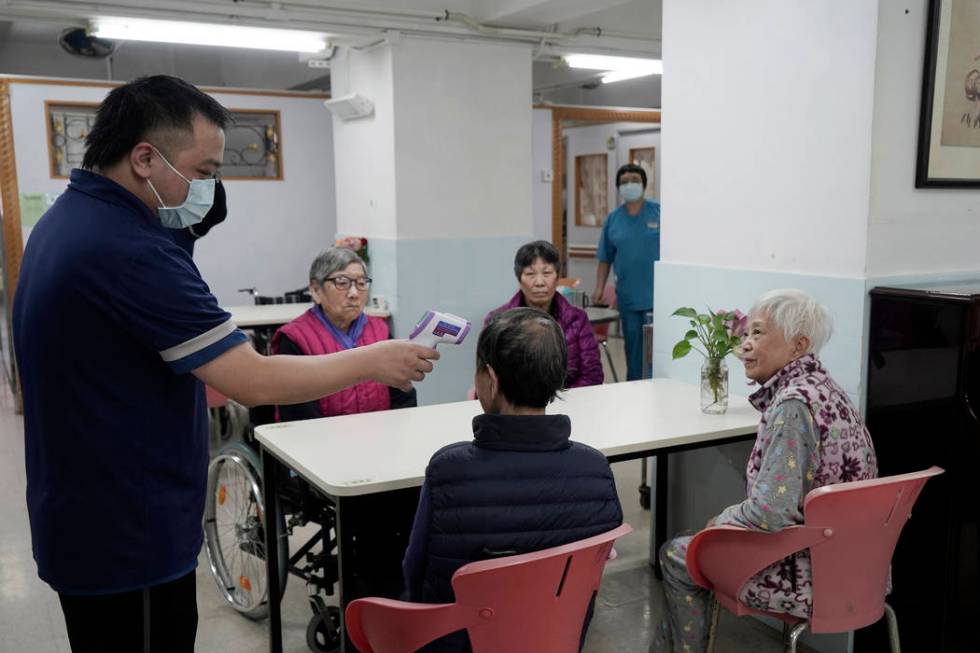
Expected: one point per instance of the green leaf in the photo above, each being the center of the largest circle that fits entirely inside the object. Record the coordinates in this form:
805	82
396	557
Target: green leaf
690	334
685	312
704	319
681	349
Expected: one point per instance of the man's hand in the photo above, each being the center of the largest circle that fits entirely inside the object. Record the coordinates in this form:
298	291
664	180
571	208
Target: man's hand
597	296
399	362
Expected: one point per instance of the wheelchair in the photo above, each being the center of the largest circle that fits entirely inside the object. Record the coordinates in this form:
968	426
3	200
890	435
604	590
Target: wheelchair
234	530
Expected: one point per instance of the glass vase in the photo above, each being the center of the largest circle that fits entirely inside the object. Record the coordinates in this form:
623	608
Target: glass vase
714	386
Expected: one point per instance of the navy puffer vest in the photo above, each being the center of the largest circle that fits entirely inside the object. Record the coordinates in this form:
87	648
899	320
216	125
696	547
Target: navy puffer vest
520	486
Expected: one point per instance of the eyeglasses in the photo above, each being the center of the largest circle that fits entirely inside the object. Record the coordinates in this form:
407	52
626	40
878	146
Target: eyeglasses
341	282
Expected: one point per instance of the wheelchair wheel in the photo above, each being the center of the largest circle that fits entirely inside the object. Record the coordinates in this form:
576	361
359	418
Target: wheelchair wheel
321	636
234	531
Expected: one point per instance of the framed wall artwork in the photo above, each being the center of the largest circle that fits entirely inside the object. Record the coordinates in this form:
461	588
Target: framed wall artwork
253	140
591	189
253	145
646	158
68	123
949	120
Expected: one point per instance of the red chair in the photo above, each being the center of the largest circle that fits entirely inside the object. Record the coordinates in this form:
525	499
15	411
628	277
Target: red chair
851	530
601	331
529	602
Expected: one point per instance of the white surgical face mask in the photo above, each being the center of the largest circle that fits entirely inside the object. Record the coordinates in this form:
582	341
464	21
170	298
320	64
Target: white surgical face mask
630	192
200	198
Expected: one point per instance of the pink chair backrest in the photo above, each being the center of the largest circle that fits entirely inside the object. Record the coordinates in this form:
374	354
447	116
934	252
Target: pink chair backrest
215	398
851	530
530	602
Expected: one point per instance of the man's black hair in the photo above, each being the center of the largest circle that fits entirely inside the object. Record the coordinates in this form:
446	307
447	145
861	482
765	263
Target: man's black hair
631	167
526	349
539	249
148	105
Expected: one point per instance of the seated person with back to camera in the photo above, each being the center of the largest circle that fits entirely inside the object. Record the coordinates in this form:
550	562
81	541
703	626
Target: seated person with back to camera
339	284
525	484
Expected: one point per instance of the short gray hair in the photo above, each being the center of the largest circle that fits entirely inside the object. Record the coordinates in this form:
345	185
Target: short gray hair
332	260
797	314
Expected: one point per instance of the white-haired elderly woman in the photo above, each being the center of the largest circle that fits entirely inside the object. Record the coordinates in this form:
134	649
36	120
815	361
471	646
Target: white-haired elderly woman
339	284
810	435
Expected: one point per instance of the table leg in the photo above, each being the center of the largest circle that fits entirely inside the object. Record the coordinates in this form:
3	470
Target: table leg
270	481
345	568
660	514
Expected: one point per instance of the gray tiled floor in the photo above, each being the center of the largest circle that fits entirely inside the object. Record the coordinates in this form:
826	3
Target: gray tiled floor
31	621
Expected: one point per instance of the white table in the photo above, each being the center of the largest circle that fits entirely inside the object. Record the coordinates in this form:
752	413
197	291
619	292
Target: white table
254	316
353	457
601	314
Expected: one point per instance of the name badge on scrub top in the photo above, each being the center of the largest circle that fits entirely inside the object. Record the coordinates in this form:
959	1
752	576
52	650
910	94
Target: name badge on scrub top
653	225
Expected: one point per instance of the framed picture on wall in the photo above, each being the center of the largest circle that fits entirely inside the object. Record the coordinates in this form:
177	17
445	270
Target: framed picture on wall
646	158
68	123
591	189
252	141
253	145
949	120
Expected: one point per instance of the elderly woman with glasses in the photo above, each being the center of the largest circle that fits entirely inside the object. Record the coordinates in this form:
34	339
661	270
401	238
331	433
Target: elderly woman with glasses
810	435
339	284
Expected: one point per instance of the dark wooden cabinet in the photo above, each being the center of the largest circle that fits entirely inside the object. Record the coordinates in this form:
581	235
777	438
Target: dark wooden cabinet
923	403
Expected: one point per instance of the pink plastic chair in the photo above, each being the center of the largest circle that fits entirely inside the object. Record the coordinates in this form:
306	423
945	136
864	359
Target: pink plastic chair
529	602
851	530
215	398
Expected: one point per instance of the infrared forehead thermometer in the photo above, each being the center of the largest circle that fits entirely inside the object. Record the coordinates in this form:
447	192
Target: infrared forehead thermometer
436	327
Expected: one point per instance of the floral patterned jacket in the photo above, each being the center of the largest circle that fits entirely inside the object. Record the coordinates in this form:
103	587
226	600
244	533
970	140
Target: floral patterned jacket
810	435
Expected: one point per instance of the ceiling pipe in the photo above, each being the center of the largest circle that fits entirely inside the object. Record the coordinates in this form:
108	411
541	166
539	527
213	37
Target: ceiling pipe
310	15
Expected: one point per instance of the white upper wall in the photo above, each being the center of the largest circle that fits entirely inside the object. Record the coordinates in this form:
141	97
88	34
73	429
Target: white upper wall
470	103
274	228
769	168
912	230
366	146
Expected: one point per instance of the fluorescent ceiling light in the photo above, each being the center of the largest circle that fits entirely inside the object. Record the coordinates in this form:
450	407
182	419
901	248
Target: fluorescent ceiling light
228	36
618	68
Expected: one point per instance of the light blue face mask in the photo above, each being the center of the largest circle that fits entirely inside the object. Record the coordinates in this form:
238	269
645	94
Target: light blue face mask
200	198
630	192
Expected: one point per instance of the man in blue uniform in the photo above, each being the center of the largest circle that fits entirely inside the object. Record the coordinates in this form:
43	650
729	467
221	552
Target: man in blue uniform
114	331
630	242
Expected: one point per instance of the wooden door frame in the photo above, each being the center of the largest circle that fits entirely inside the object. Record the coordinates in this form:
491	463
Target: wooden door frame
581	114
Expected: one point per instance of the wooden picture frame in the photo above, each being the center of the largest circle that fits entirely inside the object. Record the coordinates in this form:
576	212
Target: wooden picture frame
646	158
591	189
67	124
949	119
253	141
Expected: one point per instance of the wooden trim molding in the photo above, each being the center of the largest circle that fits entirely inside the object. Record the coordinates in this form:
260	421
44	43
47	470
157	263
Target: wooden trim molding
13	244
587	114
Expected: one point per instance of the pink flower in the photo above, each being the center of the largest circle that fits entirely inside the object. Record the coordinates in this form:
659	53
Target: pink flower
738	324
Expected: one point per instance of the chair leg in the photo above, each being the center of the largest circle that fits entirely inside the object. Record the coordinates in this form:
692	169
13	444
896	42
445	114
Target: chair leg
795	635
785	634
713	629
612	368
893	642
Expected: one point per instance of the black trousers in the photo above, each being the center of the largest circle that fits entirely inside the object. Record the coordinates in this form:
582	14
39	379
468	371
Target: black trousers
158	619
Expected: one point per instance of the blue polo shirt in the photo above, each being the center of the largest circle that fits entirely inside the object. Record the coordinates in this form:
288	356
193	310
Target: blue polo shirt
632	244
110	317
